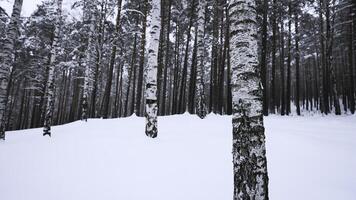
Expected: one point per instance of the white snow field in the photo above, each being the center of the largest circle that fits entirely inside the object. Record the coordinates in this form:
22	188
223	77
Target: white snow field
309	158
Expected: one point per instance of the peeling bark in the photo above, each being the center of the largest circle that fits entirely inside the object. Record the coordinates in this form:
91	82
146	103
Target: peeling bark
249	153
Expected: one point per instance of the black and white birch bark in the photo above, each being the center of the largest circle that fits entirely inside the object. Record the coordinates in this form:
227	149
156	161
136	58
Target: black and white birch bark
249	153
153	29
200	103
53	61
7	64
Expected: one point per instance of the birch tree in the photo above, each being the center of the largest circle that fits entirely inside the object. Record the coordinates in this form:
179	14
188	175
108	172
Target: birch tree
249	154
53	58
200	98
7	64
154	27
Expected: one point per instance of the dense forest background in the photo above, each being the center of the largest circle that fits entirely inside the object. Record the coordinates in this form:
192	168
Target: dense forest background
306	48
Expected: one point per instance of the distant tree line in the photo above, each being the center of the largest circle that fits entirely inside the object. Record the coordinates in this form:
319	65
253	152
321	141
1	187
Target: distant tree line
57	68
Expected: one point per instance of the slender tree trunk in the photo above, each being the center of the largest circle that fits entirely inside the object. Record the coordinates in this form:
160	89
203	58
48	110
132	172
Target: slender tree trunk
272	96
214	58
167	60
264	56
289	61
297	61
182	95
107	92
130	79
142	61
228	68
175	101
351	64
89	28
23	98
115	112
50	84
249	153
193	77
330	43
283	95
121	91
323	105
200	103
151	83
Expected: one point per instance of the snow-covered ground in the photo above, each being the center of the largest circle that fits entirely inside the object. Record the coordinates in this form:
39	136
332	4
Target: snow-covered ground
309	158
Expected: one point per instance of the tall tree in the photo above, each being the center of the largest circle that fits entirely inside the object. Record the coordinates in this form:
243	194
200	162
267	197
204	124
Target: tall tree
282	87
273	98
88	17
322	91
154	27
351	63
107	92
167	59
183	82
249	153
297	59
7	64
51	70
289	59
200	103
264	56
142	60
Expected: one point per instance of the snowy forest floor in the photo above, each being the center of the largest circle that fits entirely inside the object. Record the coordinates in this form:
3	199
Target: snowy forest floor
309	157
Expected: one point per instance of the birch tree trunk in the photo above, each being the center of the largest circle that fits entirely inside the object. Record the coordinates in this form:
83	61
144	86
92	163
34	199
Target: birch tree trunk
6	64
154	27
50	83
201	109
249	153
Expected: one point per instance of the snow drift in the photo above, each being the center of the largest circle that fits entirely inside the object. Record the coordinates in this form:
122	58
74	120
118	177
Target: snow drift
308	158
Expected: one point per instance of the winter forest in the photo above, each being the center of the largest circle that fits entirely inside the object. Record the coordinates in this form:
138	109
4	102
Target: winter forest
265	78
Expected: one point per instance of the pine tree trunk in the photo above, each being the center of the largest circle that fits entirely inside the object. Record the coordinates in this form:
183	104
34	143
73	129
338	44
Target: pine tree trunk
214	58
228	68
330	43
142	61
322	63
89	28
283	96
182	95
297	61
175	101
130	78
193	77
151	82
7	64
167	60
272	96
289	61
107	92
352	90
249	153
50	84
264	56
